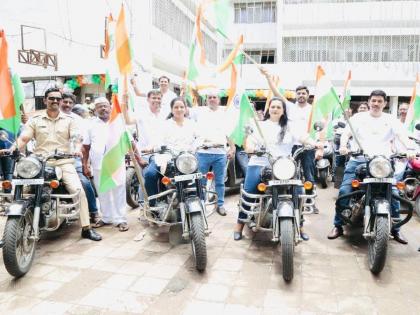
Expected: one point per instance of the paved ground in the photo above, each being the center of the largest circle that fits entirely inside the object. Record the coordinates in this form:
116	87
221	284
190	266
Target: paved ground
120	275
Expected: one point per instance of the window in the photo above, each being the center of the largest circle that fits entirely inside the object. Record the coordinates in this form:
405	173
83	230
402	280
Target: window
387	48
255	12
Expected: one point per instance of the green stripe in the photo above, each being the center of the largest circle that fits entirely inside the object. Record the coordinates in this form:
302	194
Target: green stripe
112	161
245	114
12	124
416	113
192	68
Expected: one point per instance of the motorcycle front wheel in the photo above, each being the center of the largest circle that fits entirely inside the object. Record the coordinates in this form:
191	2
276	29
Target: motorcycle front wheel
287	247
198	241
378	244
19	245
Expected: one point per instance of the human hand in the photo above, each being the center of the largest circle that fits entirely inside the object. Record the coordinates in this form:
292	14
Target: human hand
343	151
319	154
231	154
411	154
86	171
264	71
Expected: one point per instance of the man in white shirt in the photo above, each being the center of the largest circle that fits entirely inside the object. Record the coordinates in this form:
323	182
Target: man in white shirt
149	121
112	202
166	94
213	130
375	130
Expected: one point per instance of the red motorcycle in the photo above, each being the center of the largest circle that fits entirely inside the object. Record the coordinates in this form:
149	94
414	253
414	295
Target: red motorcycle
412	181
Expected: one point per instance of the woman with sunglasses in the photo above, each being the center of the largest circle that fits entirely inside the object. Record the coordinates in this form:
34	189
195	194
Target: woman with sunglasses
279	137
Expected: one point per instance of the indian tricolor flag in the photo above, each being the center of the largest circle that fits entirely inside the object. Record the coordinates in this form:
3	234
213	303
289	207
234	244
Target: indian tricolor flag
413	114
325	101
113	163
122	42
7	103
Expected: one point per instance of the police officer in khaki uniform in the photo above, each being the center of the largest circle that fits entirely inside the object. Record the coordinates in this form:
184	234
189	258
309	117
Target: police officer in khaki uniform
52	130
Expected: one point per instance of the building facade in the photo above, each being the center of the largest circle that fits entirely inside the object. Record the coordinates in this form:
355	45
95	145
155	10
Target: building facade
379	41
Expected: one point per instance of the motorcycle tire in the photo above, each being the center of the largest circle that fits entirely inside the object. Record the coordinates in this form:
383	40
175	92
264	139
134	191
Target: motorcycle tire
338	176
417	206
323	177
198	241
18	261
131	185
377	246
287	247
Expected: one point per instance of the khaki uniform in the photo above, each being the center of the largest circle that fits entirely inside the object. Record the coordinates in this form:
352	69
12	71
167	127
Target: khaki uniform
53	134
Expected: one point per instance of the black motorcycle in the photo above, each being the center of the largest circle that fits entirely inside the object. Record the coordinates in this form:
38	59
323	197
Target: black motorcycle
179	203
40	203
279	207
370	206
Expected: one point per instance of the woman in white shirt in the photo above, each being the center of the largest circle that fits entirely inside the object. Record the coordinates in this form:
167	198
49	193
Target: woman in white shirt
279	138
178	134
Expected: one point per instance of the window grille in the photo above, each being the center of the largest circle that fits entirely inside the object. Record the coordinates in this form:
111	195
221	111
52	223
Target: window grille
255	12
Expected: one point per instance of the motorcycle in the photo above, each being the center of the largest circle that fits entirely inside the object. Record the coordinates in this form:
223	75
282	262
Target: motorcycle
412	180
323	166
40	203
370	206
179	203
279	206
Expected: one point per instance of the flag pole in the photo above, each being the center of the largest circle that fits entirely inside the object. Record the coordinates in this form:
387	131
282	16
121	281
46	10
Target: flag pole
137	168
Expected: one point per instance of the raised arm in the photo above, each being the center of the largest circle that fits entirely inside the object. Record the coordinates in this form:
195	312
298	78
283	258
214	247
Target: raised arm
271	84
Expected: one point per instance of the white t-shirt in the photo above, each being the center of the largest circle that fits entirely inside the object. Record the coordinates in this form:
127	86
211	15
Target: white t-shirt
150	127
213	127
271	132
165	107
180	138
375	133
298	116
96	136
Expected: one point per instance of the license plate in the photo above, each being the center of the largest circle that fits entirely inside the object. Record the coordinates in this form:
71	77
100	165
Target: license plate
284	182
379	180
32	181
181	178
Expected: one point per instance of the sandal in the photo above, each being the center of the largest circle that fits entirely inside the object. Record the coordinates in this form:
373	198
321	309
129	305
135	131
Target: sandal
122	227
100	223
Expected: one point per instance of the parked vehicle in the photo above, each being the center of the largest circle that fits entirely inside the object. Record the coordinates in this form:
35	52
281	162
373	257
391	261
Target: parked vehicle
338	161
324	165
412	181
39	203
279	207
180	201
370	206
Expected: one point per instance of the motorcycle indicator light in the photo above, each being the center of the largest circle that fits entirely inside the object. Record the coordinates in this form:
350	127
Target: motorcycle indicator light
355	183
6	184
400	185
308	185
262	187
54	184
165	180
210	175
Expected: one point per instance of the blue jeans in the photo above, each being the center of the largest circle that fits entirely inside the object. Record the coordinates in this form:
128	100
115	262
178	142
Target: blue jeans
6	164
218	163
242	159
308	163
87	187
151	178
345	188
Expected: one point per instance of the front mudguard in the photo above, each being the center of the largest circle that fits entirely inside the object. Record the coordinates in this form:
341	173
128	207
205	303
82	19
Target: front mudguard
193	204
17	209
284	210
322	163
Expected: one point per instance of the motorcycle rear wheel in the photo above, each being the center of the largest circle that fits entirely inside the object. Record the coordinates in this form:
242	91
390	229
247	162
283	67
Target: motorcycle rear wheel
417	206
198	241
378	245
18	250
287	247
132	187
323	177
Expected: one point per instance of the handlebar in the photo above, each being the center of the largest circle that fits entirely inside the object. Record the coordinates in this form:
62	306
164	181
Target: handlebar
211	146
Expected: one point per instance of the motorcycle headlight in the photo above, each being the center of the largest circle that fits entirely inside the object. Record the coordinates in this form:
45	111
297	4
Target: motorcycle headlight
186	163
380	167
28	167
284	168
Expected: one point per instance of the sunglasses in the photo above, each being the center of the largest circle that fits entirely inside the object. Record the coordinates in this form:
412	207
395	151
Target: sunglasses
52	98
210	97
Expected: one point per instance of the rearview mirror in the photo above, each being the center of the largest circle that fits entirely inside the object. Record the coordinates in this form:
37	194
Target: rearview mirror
417	126
318	126
4	136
